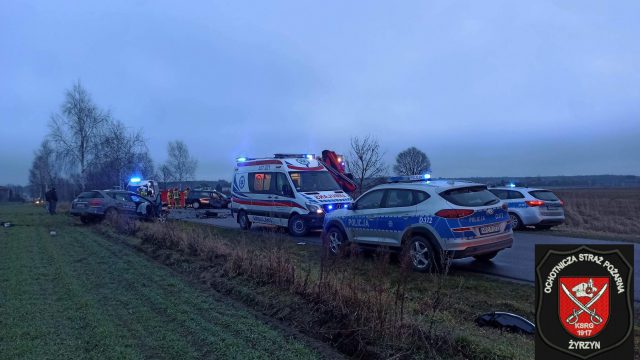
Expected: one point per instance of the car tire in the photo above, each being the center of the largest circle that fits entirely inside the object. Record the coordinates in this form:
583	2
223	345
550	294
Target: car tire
420	255
297	226
336	241
196	204
111	214
485	257
243	221
543	227
516	222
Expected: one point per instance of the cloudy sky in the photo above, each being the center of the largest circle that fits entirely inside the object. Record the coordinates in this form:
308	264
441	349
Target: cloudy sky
483	87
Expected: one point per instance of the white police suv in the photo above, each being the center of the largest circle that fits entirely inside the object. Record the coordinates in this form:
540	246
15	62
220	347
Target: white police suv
425	219
529	206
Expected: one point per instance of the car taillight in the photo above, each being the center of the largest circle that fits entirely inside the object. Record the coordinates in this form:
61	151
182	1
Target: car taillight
534	203
454	213
95	202
561	202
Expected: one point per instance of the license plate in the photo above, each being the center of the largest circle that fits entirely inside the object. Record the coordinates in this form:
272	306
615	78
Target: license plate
489	229
553	207
79	205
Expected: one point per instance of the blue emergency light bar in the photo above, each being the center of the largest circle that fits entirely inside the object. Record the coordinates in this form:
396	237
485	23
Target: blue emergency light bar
135	180
409	178
298	156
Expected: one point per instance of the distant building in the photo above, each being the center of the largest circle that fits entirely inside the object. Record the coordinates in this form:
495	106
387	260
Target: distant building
5	194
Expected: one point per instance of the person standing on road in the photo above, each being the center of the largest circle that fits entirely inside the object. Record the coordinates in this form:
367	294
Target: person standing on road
176	198
186	195
170	198
51	197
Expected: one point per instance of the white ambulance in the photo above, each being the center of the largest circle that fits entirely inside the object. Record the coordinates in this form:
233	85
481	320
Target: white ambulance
289	190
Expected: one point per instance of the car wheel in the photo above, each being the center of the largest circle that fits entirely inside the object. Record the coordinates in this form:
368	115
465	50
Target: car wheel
297	226
243	220
336	241
543	227
196	204
420	254
516	222
485	257
111	214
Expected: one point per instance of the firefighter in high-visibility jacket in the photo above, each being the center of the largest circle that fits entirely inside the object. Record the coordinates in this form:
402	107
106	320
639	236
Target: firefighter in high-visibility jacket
186	195
170	198
176	198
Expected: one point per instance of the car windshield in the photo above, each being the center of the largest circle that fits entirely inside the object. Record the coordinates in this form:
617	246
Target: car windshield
545	195
470	196
305	181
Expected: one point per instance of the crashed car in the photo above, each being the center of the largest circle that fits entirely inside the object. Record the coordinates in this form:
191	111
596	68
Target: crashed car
100	204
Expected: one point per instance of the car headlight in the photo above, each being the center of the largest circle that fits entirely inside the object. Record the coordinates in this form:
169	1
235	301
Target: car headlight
314	208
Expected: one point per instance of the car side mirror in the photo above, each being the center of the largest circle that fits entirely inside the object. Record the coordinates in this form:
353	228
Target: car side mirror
353	206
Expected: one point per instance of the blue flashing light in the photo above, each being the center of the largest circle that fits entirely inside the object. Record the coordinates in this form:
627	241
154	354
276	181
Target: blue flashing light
241	159
135	180
330	207
309	157
426	176
346	206
512	185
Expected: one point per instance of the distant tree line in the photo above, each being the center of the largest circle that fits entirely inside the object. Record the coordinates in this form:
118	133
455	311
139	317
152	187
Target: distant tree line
87	148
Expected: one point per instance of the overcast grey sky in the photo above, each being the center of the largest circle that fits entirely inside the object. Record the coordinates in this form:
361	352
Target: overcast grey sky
483	87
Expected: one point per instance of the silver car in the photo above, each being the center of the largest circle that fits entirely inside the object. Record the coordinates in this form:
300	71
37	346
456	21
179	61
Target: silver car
425	219
98	204
529	206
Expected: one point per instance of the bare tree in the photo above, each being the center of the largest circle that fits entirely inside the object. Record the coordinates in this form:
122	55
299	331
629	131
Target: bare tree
43	170
365	160
411	161
180	164
119	154
165	174
74	131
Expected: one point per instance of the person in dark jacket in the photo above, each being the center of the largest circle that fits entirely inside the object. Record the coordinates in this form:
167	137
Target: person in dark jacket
52	198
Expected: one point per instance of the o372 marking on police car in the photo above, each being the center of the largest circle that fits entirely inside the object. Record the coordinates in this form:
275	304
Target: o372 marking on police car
425	220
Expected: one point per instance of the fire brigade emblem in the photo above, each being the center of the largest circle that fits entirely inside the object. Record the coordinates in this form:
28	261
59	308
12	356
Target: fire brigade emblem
584	305
584	302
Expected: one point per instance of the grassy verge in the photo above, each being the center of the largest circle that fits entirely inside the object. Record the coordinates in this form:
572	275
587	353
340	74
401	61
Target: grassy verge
366	306
77	295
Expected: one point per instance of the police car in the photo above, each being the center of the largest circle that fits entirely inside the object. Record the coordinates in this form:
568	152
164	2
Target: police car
529	206
425	219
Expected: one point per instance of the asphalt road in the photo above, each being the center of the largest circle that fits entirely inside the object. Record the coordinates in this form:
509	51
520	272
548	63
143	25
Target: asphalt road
516	263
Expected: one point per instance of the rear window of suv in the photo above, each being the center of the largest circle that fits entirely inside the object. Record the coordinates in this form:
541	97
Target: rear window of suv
470	196
545	195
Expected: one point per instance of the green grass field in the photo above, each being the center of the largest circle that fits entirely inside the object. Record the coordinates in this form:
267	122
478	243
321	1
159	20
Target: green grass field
78	295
